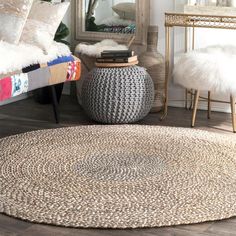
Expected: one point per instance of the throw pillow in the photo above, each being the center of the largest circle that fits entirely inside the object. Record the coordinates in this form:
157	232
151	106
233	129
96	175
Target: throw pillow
13	15
42	23
126	10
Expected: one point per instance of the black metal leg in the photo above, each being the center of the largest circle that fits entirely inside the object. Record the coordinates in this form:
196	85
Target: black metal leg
55	104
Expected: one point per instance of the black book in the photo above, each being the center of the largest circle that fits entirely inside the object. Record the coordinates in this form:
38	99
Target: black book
117	53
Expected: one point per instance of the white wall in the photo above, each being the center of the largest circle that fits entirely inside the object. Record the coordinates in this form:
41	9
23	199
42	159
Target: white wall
158	8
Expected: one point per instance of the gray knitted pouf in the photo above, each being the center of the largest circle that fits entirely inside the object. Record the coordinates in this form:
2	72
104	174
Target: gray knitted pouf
118	95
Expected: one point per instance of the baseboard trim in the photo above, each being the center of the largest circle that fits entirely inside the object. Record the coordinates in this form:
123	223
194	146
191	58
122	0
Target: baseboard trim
203	106
176	94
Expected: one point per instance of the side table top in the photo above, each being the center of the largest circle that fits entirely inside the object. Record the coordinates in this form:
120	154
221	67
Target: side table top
200	20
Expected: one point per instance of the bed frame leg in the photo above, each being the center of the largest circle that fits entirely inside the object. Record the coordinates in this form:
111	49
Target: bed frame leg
55	104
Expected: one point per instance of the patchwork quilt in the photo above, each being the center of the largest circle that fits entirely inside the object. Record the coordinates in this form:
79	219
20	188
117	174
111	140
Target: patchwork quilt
60	70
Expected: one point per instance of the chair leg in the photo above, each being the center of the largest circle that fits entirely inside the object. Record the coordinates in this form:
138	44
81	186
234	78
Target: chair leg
191	99
55	104
196	99
209	105
232	101
186	99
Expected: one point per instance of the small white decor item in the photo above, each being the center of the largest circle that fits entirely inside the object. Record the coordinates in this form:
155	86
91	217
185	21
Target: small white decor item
13	15
126	10
95	50
42	23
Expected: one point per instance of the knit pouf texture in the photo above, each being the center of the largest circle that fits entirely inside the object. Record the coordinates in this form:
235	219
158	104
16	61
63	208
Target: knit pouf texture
118	95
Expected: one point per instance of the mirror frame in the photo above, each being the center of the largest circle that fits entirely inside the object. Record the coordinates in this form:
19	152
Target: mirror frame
80	35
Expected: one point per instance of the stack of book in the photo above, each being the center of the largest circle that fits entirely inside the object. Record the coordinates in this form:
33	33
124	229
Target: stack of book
111	58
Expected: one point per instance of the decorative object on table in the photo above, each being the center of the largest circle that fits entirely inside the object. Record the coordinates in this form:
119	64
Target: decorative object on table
108	54
154	62
122	56
13	16
118	176
43	95
117	95
116	58
209	69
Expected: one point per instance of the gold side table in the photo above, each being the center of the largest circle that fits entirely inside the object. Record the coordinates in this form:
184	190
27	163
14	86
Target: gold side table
193	21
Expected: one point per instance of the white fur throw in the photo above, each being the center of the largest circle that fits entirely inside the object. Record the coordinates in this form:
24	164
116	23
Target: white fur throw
15	57
209	69
116	20
96	49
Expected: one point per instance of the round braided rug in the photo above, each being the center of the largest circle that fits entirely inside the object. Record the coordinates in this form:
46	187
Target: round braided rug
118	176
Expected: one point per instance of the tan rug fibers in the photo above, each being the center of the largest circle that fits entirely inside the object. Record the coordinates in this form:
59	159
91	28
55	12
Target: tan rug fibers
118	176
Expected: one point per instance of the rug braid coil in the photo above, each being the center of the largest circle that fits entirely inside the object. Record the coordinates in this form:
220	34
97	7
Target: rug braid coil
118	176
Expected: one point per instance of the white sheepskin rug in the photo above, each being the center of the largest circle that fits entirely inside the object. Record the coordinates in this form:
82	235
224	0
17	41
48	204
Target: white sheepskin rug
209	69
15	57
95	50
116	20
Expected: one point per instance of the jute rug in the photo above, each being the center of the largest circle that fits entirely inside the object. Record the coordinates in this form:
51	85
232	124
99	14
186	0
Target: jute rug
118	176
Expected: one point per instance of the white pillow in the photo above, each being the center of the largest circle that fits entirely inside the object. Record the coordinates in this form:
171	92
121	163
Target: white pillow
13	15
42	23
126	10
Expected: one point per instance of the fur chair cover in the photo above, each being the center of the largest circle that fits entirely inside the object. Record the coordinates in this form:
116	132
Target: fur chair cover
15	57
96	49
209	69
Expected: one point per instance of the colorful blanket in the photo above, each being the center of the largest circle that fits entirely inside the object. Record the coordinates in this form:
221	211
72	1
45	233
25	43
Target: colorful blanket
60	70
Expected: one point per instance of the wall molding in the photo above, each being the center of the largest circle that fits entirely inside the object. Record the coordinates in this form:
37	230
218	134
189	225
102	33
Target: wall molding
177	93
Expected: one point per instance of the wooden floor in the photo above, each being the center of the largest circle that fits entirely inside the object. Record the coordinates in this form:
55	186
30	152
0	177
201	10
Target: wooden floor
26	116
